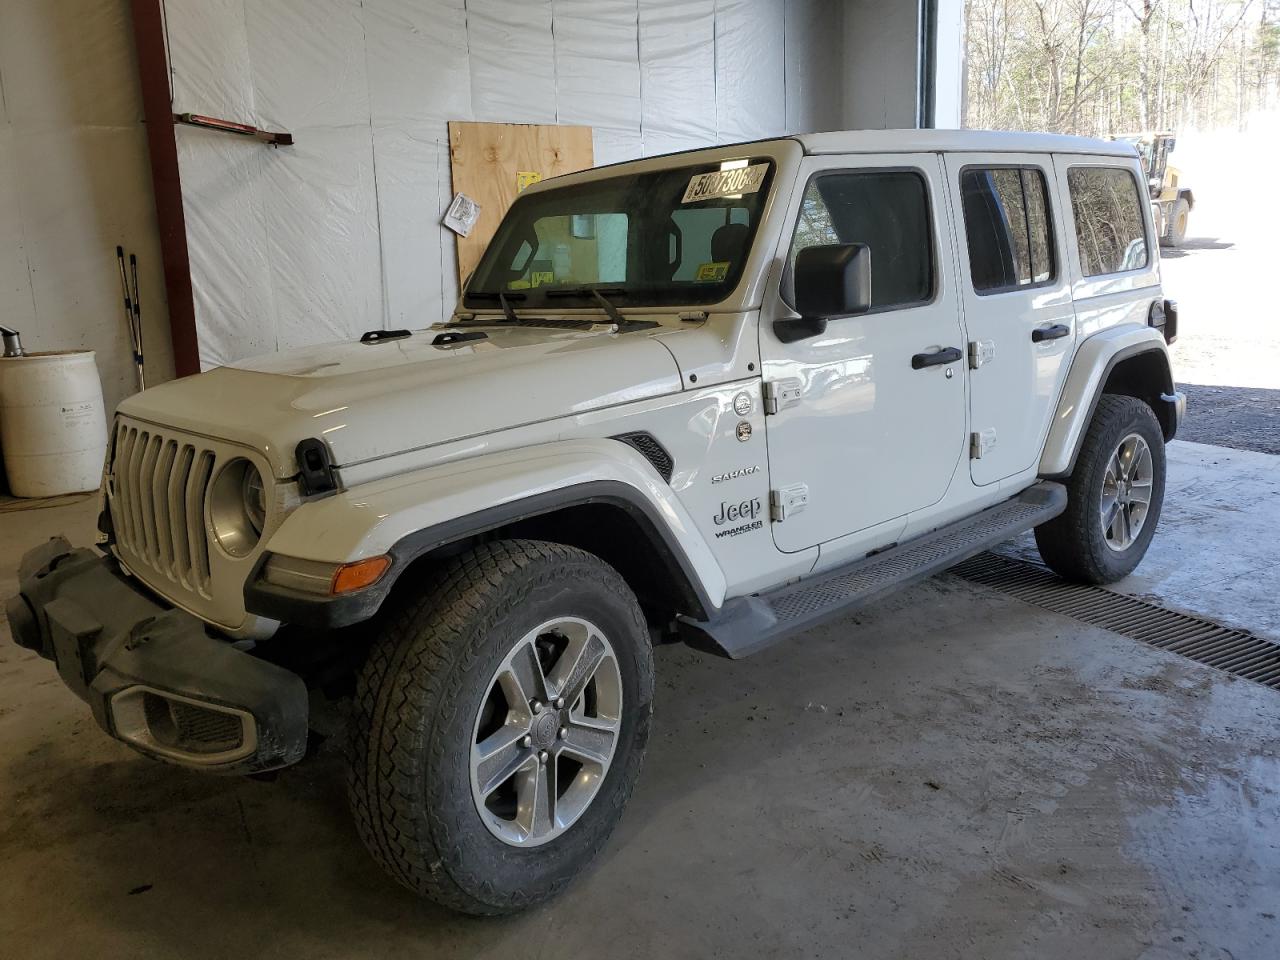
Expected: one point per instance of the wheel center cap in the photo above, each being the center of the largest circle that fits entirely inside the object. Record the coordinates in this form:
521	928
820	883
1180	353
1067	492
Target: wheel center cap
544	729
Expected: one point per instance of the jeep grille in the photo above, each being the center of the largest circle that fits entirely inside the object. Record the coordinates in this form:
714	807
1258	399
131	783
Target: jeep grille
157	493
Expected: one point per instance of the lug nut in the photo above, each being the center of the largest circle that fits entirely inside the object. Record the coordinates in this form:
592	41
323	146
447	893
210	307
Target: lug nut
559	703
564	732
542	756
526	741
537	706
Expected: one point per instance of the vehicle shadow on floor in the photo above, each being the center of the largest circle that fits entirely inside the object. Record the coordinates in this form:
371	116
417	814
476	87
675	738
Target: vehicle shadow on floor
1194	245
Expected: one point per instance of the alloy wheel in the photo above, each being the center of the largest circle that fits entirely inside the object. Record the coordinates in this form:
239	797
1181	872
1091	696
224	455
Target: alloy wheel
1126	492
546	732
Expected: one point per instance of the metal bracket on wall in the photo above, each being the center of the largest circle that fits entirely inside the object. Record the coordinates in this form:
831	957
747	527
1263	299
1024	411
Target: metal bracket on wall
239	129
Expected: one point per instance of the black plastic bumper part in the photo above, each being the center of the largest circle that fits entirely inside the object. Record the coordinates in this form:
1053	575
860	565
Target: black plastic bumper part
106	636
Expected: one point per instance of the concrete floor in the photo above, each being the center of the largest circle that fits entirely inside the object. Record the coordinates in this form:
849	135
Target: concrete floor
952	773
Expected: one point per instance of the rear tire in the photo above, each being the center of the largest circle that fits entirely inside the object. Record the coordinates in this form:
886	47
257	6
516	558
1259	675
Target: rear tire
477	660
1175	228
1114	493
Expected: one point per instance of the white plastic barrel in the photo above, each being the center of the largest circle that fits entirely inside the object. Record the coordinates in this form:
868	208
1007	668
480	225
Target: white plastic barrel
53	428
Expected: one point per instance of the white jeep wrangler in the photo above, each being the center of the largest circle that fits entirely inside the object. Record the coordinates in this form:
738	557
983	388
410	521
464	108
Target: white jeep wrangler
720	396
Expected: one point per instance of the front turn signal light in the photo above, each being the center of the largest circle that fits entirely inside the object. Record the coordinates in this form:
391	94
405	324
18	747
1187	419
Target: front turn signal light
324	579
358	575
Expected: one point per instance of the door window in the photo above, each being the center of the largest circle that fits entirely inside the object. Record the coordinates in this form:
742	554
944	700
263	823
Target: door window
1109	223
888	210
1006	222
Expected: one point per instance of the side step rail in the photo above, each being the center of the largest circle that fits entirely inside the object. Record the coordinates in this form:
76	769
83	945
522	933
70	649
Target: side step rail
746	625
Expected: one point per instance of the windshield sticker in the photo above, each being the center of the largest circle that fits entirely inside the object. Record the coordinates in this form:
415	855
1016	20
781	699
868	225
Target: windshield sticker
712	272
539	278
725	183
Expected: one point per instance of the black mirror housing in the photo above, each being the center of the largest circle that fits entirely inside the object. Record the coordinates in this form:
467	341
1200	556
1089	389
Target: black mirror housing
833	280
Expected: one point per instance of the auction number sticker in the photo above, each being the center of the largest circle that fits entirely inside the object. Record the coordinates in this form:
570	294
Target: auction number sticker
724	183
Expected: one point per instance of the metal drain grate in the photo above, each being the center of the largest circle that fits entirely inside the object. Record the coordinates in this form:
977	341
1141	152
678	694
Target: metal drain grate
1235	651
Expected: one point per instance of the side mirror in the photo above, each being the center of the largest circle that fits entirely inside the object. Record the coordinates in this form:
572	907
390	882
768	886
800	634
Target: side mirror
830	281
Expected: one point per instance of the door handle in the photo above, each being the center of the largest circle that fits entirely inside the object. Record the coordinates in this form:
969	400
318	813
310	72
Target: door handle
1055	332
938	357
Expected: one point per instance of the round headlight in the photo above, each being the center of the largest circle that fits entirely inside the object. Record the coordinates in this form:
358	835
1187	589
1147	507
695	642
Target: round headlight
255	499
238	507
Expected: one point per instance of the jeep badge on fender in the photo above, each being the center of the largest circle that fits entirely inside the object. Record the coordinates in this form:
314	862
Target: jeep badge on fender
732	512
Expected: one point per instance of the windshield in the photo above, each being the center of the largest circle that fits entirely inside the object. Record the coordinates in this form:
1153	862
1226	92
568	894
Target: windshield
667	237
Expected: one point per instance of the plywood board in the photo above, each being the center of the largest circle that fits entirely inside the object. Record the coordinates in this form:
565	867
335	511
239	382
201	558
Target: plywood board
491	161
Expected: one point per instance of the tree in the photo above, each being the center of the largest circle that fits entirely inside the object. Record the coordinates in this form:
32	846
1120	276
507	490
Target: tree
1105	66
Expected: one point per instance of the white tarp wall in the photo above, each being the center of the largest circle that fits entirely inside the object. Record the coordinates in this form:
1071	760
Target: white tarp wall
881	61
75	182
340	233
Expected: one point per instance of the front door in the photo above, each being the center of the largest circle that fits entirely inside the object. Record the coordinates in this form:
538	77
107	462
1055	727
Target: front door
870	413
1017	304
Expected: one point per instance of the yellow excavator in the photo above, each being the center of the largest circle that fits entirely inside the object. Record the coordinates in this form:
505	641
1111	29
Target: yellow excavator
1171	201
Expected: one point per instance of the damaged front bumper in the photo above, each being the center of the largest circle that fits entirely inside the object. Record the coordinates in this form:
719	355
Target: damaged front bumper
151	674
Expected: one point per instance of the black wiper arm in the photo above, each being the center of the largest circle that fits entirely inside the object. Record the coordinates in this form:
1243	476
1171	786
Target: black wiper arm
506	309
599	294
609	308
502	298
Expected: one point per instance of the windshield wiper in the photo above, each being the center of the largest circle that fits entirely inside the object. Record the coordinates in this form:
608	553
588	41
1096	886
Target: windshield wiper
502	298
599	294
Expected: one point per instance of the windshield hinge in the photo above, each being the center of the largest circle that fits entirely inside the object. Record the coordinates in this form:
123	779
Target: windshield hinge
693	316
780	394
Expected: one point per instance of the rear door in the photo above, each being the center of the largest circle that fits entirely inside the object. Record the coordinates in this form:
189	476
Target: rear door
1016	291
869	420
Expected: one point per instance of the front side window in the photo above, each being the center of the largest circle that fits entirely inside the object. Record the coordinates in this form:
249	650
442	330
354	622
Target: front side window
1006	223
664	237
1107	209
888	210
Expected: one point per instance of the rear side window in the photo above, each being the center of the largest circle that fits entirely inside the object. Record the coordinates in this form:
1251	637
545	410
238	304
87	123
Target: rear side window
886	209
1108	213
1006	221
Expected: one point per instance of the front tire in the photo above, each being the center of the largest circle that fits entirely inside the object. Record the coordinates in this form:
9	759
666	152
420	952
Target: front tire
500	724
1114	493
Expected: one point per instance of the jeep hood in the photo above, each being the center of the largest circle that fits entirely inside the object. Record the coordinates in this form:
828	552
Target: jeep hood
374	400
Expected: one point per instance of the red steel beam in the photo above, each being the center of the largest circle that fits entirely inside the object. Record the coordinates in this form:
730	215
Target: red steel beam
153	72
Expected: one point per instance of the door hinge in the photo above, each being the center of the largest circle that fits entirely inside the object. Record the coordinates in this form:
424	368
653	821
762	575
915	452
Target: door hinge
788	501
980	443
780	394
980	352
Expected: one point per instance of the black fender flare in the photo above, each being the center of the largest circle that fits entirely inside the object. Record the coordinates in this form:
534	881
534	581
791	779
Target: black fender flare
295	607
